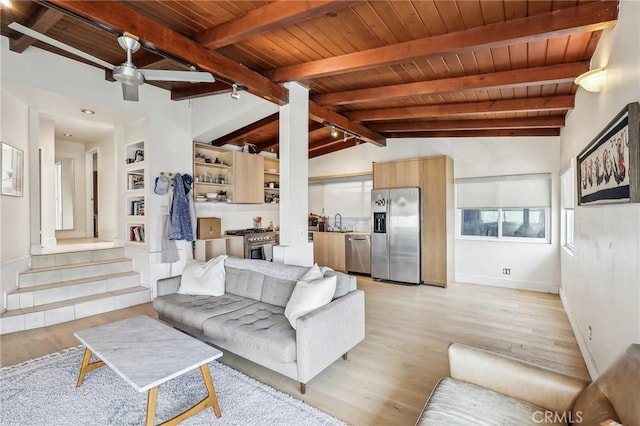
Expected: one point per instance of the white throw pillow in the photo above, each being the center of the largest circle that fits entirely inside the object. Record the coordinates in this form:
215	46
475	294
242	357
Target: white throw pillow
203	279
308	296
314	273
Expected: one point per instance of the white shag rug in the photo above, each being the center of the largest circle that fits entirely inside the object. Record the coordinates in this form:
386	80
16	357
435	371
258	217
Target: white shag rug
43	392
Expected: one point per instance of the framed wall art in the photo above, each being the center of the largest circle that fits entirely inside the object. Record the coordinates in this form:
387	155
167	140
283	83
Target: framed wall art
12	170
609	167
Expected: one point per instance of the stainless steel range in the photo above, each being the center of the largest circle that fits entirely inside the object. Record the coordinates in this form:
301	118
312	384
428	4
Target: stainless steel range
258	243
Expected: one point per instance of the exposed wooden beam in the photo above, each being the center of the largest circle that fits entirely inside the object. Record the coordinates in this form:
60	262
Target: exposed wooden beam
266	18
476	133
549	103
41	21
322	114
502	123
584	18
562	73
199	90
332	147
313	128
119	18
243	132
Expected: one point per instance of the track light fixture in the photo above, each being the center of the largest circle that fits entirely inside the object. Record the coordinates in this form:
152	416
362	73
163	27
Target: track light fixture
346	133
234	92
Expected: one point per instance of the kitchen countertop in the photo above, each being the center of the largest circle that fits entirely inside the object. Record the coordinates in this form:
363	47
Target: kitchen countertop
343	233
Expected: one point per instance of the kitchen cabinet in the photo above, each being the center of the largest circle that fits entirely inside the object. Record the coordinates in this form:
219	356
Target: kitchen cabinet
434	176
248	171
329	250
238	175
271	180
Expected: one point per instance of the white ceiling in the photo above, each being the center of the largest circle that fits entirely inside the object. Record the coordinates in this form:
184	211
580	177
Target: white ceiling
67	115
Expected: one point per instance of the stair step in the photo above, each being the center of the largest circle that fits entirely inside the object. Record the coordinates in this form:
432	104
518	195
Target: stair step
70	258
27	297
58	273
68	310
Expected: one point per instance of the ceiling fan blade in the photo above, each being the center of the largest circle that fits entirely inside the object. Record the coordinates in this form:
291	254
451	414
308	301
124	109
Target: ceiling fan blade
167	75
130	92
60	45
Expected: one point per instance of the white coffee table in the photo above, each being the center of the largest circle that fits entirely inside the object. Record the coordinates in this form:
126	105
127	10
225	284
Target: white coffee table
147	353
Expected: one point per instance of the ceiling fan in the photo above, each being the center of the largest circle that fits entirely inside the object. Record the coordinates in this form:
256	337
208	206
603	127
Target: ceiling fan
127	74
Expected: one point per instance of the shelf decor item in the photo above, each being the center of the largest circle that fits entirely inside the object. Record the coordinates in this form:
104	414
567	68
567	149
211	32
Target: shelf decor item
12	170
609	167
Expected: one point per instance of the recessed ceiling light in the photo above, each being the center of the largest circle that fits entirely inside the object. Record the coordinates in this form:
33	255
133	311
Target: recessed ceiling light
68	135
88	111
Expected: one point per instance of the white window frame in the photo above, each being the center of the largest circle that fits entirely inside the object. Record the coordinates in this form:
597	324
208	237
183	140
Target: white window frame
500	237
567	205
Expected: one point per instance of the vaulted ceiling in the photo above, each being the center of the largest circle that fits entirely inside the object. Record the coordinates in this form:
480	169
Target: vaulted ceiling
376	69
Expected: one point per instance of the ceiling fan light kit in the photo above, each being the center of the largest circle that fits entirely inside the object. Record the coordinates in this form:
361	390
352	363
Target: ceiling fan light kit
127	74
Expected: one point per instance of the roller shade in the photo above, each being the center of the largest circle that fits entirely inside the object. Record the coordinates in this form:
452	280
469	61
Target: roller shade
532	190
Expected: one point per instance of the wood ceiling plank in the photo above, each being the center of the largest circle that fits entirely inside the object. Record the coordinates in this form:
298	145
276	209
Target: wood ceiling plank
429	14
411	19
380	33
121	19
321	114
327	149
471	13
500	123
515	78
576	47
265	19
515	9
245	131
501	58
583	18
476	133
450	15
555	103
41	21
392	20
198	90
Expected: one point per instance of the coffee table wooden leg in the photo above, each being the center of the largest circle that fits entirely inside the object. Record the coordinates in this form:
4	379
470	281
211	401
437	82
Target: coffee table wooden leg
152	399
213	399
87	366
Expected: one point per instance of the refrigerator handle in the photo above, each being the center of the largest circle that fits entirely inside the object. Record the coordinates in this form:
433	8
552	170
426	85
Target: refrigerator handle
388	222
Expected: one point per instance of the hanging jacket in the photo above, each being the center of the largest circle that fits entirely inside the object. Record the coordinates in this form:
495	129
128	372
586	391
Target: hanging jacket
181	228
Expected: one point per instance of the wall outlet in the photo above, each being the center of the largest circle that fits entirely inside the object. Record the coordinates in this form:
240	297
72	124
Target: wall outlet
506	271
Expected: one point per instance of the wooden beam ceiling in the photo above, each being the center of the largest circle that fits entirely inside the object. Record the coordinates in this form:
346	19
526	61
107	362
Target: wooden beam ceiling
547	103
561	73
563	22
332	146
502	123
266	18
320	114
41	21
236	137
476	133
119	18
199	90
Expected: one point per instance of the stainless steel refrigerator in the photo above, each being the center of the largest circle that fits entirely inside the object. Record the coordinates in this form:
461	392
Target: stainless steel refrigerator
395	240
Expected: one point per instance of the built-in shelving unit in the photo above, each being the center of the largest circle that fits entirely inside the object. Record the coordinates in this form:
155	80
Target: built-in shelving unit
271	180
136	186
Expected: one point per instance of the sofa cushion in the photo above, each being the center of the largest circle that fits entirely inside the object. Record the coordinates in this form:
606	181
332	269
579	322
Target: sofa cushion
309	296
243	282
203	278
259	329
454	402
193	311
277	291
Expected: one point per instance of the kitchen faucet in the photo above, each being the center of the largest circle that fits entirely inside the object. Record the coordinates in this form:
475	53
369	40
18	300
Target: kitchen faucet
335	221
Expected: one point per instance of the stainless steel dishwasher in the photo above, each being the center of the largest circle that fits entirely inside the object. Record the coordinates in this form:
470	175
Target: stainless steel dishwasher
358	249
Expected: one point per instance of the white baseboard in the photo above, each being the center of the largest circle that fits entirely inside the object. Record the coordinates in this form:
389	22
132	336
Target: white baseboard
507	283
580	338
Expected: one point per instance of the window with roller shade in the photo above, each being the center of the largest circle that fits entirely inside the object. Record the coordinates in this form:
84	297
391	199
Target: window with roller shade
514	207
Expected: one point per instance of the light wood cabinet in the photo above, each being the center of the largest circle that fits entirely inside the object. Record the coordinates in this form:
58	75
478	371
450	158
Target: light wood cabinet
248	185
329	250
434	176
239	175
271	180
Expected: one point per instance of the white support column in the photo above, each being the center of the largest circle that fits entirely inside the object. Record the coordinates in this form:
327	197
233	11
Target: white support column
294	247
47	181
34	180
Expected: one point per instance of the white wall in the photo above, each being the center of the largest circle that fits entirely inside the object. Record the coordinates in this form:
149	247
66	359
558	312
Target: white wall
601	278
533	266
14	223
76	152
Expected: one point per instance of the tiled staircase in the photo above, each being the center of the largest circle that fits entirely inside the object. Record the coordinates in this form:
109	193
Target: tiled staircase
66	286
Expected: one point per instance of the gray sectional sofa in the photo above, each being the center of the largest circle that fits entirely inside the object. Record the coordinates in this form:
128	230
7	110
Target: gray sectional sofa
248	319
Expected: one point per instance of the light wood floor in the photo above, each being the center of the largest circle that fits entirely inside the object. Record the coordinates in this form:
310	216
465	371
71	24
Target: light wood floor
389	376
